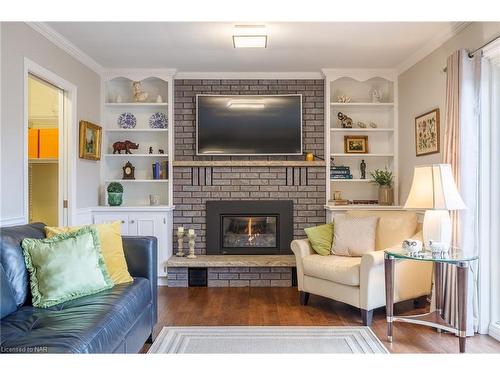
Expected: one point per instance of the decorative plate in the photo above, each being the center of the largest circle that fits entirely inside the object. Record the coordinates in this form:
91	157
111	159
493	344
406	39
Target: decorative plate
158	121
127	120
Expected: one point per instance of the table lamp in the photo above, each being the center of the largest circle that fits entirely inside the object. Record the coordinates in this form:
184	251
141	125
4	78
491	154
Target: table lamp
434	189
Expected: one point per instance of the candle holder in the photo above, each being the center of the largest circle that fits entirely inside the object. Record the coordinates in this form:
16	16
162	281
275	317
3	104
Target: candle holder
191	237
180	242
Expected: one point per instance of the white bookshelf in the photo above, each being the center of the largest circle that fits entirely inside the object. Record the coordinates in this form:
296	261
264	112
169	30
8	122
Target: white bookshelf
382	140
118	83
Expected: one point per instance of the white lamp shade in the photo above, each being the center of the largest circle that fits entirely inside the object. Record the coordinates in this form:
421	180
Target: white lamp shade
434	187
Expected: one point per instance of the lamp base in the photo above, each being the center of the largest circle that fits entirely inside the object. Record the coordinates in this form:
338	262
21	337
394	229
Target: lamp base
437	227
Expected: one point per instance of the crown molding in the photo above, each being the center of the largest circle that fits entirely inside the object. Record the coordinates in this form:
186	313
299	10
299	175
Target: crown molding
249	75
68	47
431	46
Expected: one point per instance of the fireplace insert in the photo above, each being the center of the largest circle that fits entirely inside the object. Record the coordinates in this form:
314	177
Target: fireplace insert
249	227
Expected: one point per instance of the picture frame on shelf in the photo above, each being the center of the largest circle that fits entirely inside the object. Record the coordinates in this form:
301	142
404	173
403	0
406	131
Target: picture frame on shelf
356	144
90	140
427	133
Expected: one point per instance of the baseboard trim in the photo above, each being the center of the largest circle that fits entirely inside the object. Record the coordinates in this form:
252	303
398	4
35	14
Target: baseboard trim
9	222
494	330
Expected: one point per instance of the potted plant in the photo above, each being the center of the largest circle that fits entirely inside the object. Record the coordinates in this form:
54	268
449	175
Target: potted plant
384	178
115	193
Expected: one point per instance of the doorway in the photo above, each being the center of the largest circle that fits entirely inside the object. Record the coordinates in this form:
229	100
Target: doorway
49	147
45	112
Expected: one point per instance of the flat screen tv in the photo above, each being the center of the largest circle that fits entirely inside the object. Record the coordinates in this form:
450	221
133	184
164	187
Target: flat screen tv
249	125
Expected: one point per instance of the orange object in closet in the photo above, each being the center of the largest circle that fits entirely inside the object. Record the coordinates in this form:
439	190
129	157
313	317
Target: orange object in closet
32	143
49	143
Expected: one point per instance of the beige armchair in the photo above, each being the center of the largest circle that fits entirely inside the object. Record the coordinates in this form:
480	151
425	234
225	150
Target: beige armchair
360	281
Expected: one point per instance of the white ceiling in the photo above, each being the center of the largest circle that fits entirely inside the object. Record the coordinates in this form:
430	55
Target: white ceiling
292	46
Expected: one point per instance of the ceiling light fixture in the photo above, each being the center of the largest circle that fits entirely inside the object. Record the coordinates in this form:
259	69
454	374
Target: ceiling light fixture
249	36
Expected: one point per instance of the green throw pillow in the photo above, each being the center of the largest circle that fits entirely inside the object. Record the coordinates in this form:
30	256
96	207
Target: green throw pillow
65	267
321	238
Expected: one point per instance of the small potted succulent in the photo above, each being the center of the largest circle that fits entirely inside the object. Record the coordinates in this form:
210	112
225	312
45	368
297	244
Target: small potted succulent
115	194
384	179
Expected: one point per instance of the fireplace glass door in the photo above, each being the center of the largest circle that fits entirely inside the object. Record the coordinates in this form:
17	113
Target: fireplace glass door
249	231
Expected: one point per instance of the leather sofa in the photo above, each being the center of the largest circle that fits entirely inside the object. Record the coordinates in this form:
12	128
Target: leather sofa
118	320
360	281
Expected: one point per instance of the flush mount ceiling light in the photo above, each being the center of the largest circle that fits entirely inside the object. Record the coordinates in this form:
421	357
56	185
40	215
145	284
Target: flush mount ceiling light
249	36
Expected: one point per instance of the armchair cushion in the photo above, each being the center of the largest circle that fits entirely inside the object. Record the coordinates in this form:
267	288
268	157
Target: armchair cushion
354	236
393	226
339	269
321	238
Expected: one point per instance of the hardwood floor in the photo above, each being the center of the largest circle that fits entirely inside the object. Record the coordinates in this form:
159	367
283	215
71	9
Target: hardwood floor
280	306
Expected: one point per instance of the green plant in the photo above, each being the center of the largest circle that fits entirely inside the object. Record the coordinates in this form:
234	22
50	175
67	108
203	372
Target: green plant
115	187
382	177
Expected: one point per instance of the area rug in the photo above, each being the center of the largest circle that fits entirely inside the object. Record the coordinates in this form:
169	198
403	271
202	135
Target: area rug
273	340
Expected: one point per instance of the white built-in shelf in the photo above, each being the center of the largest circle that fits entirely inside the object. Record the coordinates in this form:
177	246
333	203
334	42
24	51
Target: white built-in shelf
350	180
43	160
361	130
132	208
363	155
136	180
371	105
135	130
136	155
374	207
136	104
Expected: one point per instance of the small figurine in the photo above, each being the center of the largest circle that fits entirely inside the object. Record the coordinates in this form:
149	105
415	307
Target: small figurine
150	150
438	247
125	145
139	94
160	151
345	121
376	95
373	125
180	242
343	99
413	247
361	124
362	167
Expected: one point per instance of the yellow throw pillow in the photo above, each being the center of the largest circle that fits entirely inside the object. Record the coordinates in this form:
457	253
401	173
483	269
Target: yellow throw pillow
111	247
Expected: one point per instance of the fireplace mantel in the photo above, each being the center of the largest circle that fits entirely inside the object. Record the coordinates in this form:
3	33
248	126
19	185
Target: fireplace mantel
248	163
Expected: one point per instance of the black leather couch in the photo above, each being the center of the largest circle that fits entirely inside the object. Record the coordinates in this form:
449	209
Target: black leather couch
118	320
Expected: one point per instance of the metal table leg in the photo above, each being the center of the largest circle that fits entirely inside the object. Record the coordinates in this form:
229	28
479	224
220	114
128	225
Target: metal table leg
462	274
389	293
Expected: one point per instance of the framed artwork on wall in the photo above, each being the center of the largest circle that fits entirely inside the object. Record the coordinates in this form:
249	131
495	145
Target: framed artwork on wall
90	141
356	144
427	133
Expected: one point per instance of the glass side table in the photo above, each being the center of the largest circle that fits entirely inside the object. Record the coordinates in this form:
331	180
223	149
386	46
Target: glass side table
434	318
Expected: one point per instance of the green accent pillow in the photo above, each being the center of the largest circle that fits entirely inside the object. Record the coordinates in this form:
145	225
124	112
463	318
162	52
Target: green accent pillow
65	267
321	238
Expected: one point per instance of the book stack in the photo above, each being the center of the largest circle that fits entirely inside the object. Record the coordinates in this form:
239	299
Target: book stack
160	170
340	172
365	201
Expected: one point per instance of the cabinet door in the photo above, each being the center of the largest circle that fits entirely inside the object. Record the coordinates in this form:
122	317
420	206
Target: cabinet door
102	218
156	225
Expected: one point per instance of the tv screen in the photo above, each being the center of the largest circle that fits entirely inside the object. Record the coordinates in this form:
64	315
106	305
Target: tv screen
249	125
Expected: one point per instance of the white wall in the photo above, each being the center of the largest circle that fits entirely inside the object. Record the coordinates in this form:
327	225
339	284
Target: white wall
423	88
17	42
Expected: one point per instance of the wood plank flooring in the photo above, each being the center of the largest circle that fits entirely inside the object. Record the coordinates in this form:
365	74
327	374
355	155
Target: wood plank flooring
280	306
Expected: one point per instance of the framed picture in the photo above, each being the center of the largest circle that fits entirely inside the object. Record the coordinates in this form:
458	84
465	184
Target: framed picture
90	141
427	133
356	144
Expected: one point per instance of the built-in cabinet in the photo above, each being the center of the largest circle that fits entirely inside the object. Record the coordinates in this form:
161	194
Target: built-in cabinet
142	222
369	98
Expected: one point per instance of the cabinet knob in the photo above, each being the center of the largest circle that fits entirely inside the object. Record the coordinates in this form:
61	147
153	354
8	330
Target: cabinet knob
123	221
132	221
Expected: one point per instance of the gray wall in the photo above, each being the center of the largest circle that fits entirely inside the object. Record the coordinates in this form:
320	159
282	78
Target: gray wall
17	42
423	88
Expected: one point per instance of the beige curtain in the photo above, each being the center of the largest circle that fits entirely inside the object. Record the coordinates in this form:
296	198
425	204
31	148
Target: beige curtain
461	139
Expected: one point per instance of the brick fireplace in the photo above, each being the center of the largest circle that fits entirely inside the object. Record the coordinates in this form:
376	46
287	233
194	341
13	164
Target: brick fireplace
197	183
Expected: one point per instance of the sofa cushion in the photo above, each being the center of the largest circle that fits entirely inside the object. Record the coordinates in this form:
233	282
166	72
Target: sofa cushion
393	226
339	269
91	324
65	267
11	257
